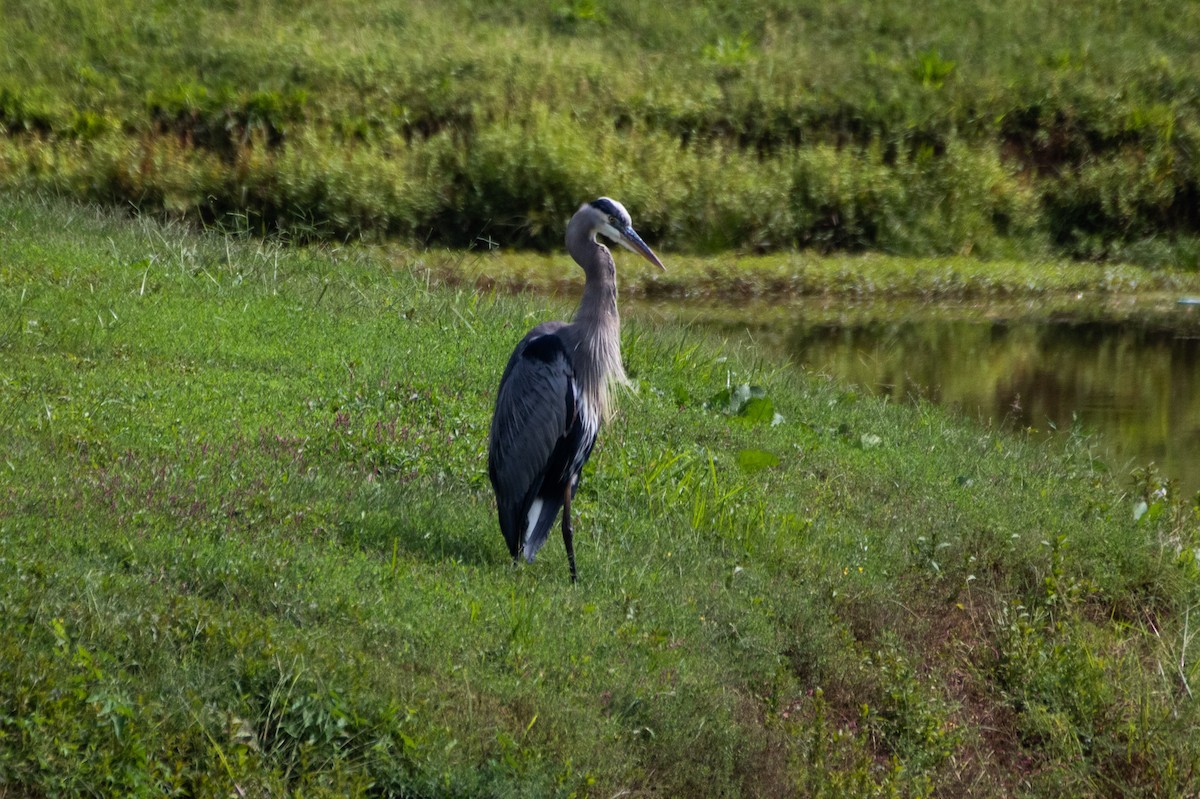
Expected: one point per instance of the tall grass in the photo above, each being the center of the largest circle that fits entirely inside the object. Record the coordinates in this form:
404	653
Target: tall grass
939	129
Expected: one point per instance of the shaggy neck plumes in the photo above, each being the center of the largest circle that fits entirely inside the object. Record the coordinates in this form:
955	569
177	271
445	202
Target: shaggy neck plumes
595	334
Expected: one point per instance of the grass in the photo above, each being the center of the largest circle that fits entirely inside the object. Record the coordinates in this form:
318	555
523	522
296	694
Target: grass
728	277
763	126
247	546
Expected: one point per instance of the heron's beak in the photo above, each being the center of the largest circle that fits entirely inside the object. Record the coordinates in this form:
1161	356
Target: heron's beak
631	241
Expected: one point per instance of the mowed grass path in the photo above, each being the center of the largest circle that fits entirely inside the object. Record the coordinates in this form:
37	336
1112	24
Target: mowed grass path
247	546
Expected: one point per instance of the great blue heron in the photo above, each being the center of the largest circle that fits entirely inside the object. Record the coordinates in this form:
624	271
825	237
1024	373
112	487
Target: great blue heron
554	391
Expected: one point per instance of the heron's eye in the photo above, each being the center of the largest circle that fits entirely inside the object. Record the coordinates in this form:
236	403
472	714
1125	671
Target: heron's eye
612	220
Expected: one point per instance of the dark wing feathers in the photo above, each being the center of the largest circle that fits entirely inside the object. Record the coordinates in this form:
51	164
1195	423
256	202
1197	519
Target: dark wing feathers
535	436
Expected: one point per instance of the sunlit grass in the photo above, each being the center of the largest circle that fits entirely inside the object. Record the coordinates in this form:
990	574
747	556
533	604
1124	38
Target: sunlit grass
946	129
247	544
735	278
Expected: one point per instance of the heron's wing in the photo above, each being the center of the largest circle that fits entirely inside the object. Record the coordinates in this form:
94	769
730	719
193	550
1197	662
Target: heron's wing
535	413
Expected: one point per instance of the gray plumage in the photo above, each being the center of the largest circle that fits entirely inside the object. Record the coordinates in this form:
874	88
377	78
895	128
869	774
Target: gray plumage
554	392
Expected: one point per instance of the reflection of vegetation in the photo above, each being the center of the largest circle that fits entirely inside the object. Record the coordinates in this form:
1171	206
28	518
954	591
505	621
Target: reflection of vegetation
1138	386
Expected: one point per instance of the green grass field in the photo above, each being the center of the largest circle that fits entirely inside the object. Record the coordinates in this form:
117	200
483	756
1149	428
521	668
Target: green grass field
995	129
247	542
247	547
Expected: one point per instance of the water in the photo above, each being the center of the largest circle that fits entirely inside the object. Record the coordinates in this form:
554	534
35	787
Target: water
1129	372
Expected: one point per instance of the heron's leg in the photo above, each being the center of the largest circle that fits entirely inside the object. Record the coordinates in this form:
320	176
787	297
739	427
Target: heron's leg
568	533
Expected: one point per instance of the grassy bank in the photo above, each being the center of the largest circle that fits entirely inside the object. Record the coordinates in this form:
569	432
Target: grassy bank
990	128
730	278
247	545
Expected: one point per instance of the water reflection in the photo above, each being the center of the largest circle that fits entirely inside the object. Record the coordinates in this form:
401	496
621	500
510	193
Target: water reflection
1138	387
1132	375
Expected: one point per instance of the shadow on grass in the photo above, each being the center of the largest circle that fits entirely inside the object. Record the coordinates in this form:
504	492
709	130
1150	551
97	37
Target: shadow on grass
422	527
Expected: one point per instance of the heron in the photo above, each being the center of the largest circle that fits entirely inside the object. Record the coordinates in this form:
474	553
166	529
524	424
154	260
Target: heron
554	392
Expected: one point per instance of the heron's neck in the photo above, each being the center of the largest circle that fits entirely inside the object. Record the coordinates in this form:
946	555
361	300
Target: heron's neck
598	305
597	325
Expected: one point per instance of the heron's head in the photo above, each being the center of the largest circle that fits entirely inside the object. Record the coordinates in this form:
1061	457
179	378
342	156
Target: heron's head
610	219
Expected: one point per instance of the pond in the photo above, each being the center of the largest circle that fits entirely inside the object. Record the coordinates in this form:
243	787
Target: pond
1126	370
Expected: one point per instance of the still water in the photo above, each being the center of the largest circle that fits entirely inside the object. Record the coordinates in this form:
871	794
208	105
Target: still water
1128	373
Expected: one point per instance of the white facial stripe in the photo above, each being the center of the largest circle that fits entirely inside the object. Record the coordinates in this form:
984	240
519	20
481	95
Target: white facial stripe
611	233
